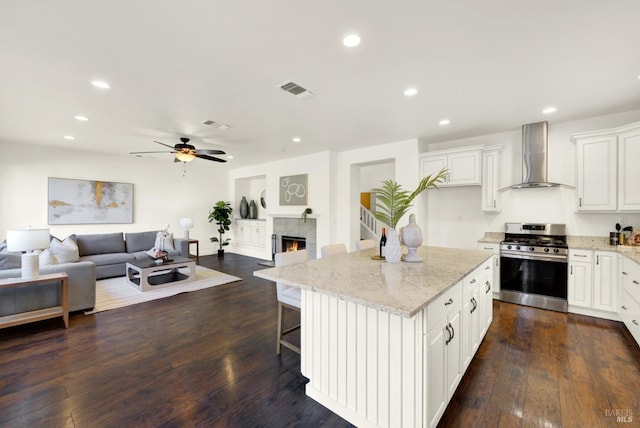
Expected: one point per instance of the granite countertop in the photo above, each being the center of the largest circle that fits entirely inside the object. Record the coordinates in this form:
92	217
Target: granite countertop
399	288
492	238
601	243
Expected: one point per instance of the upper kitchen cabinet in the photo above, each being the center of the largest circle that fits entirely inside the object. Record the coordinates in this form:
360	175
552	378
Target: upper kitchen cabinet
491	179
463	165
605	168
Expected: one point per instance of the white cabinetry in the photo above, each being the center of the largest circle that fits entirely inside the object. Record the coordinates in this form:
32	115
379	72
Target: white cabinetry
607	176
593	279
629	309
444	351
250	233
463	165
495	281
491	179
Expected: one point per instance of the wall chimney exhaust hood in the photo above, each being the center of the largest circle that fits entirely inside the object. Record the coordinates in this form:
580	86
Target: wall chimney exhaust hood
534	153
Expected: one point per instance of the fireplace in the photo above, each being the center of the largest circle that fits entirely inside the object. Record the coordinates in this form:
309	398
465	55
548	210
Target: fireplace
293	243
294	227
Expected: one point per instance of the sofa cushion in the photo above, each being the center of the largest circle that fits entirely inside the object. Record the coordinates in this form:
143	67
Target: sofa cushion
100	243
47	258
163	242
140	241
65	251
108	259
10	260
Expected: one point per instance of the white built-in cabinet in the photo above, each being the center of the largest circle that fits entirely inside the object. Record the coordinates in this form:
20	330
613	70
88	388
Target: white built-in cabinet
495	249
491	179
607	175
629	307
249	233
463	166
593	282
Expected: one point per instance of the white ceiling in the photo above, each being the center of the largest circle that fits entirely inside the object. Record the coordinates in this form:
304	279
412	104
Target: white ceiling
489	66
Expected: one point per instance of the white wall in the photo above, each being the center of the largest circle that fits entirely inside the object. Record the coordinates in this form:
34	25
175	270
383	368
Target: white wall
161	194
319	168
454	217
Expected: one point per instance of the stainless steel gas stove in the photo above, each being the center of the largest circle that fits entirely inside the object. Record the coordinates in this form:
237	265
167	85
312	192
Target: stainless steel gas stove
533	265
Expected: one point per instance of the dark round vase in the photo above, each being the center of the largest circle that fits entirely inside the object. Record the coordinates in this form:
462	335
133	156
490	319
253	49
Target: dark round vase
244	208
253	209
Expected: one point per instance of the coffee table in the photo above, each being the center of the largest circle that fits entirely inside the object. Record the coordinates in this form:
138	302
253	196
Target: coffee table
147	275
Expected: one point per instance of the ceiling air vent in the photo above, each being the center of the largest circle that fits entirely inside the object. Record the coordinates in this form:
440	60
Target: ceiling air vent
208	122
295	89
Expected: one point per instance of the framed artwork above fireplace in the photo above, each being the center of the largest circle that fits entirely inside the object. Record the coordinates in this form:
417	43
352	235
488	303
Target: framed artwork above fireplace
293	189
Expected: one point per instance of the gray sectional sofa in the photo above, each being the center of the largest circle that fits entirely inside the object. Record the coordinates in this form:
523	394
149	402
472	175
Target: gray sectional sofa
102	255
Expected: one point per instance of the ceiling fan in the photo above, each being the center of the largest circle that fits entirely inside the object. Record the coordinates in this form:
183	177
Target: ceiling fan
185	152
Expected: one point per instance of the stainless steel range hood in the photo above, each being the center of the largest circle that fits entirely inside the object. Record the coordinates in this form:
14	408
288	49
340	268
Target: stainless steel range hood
534	153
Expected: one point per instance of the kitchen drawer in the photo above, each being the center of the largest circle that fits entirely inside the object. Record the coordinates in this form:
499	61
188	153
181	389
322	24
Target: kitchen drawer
630	314
495	248
581	255
448	301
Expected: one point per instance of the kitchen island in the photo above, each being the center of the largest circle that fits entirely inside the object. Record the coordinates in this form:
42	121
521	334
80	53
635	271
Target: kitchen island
386	344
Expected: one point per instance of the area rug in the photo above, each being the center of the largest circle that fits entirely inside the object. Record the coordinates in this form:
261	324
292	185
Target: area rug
115	293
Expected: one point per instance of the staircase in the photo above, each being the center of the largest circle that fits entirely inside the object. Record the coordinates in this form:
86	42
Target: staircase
370	227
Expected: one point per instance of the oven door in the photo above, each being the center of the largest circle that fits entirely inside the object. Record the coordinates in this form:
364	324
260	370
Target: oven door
547	277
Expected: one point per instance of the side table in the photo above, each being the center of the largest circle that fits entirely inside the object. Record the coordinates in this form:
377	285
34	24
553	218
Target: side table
197	254
41	314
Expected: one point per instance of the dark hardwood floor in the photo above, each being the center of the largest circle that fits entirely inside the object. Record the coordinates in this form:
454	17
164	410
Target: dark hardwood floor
207	358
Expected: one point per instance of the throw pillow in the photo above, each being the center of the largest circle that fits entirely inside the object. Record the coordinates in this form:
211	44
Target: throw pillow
164	242
65	251
46	258
10	261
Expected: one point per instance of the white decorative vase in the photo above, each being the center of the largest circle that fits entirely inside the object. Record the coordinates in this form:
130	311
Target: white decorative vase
393	250
412	238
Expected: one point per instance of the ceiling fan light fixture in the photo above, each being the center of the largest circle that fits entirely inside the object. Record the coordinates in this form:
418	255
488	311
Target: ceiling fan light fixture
185	157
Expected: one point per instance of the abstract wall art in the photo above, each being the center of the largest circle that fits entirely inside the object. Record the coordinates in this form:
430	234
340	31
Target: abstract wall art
293	189
89	202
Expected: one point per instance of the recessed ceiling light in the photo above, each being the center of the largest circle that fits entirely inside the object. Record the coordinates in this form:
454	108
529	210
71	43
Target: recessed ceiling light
409	92
100	84
230	157
351	40
444	122
296	139
69	137
81	118
549	110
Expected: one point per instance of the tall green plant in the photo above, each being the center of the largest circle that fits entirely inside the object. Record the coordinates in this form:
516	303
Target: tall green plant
395	201
221	213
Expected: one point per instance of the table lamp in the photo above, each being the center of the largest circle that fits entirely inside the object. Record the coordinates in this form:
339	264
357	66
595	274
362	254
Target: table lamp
186	224
28	240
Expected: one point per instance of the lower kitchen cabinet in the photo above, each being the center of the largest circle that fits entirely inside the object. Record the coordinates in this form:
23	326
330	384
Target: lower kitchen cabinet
495	282
629	308
593	283
249	233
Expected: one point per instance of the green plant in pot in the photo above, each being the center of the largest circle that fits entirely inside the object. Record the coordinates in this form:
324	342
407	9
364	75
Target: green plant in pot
396	201
221	215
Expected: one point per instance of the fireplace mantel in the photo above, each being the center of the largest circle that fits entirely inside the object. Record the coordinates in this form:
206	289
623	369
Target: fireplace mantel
293	215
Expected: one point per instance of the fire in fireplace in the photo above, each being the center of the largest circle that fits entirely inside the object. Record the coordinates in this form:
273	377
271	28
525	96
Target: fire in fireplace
293	243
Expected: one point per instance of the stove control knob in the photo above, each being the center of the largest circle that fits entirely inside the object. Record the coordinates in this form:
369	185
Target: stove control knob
508	247
546	250
531	249
518	247
556	250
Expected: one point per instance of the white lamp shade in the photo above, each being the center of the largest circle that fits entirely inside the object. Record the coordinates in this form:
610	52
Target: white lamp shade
27	240
186	223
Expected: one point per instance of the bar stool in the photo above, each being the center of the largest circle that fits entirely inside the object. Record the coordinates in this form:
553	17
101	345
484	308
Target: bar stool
332	250
365	244
288	297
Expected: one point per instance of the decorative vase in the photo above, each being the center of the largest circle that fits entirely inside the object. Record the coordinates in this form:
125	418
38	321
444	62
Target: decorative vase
412	238
253	209
393	250
244	208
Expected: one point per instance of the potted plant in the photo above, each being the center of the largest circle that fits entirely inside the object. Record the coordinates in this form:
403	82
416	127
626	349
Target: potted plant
220	214
395	202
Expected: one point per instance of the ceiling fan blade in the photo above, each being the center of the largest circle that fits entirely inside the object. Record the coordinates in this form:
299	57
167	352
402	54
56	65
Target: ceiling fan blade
139	153
166	145
209	152
176	160
211	158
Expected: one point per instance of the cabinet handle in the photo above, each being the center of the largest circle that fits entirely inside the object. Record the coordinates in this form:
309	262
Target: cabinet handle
624	273
597	260
488	287
579	202
473	281
487	248
624	308
580	255
494	203
487	267
449	335
453	332
636	282
497	261
473	302
571	270
634	321
448	302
